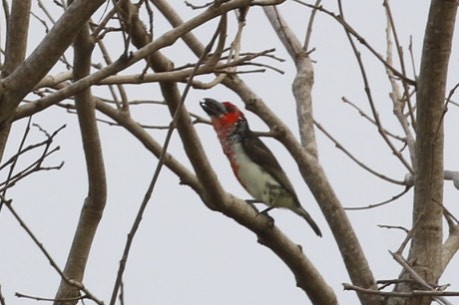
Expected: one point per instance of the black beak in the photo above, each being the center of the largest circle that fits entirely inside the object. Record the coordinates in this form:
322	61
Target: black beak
212	107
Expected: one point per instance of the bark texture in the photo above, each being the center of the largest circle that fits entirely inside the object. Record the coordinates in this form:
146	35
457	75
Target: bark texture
426	249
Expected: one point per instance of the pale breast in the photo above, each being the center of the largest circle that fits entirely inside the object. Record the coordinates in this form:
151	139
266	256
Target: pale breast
255	180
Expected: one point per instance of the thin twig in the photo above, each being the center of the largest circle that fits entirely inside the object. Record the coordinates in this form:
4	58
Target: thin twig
447	214
355	159
437	295
96	32
395	227
409	235
121	90
6	12
37	298
35	166
349	29
397	100
375	205
434	294
445	108
45	10
367	89
307	39
43	22
121	296
46	253
2	298
367	117
112	123
15	160
401	60
413	65
155	177
197	7
386	283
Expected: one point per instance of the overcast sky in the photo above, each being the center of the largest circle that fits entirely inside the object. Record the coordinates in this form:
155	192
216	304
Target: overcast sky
186	254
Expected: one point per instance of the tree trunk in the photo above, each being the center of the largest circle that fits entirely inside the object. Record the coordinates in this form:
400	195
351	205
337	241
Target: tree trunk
425	251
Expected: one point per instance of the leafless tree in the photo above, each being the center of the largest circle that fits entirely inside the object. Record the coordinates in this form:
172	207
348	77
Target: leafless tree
51	76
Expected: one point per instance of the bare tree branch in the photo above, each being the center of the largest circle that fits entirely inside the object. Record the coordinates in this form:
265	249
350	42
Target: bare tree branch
139	42
403	294
356	160
367	89
317	289
14	176
450	247
46	78
419	280
368	118
376	205
307	39
349	29
426	244
94	203
20	82
303	82
16	46
78	285
2	298
165	40
406	94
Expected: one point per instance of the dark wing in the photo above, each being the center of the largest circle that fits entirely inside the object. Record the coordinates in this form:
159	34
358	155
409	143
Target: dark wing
261	154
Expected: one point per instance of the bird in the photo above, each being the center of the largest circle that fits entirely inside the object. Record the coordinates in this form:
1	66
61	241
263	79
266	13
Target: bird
254	165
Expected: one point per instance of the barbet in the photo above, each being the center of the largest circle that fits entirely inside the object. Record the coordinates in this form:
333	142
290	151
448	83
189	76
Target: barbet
252	162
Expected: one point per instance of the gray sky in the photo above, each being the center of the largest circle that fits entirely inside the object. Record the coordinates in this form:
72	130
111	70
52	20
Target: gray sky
187	254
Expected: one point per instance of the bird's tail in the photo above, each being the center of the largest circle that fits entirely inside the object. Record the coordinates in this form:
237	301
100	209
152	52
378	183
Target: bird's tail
302	212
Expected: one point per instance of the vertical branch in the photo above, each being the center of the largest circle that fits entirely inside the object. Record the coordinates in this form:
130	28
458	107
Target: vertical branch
16	47
367	89
406	91
2	298
308	278
121	90
399	102
95	201
16	39
304	79
428	191
140	39
317	181
307	39
22	80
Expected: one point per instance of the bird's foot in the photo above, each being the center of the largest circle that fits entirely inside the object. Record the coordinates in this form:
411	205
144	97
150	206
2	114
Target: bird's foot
252	202
265	211
270	219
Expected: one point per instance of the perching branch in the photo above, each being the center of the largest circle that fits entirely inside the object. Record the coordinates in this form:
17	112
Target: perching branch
137	40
